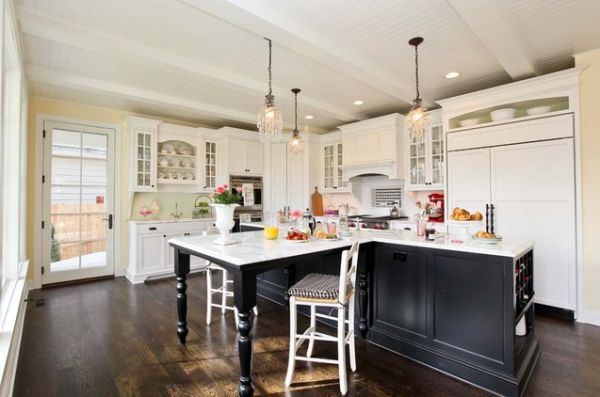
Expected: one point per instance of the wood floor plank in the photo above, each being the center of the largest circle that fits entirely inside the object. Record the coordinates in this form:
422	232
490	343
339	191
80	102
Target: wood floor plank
111	338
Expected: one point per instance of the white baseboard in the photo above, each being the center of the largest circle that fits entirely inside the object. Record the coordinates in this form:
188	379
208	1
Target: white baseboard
589	317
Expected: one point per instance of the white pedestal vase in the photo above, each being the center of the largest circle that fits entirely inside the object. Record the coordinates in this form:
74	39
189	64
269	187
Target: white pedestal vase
224	222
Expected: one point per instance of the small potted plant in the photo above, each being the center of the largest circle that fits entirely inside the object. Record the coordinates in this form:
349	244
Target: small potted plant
224	204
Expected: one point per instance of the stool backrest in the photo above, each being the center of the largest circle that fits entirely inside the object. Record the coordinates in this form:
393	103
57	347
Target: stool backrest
348	271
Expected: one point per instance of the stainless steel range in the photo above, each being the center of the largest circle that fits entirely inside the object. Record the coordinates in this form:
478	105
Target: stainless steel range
373	222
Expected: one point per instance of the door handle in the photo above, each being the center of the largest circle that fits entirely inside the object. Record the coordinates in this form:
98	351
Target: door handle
110	220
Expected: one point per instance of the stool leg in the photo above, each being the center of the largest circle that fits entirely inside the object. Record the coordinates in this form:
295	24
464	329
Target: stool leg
313	326
208	295
255	310
235	313
351	331
224	293
293	331
342	350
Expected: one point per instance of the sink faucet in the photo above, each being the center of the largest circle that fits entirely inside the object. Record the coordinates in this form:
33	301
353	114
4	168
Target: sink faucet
177	214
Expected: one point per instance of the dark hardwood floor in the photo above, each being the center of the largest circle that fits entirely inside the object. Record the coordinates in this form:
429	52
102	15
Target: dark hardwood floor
109	338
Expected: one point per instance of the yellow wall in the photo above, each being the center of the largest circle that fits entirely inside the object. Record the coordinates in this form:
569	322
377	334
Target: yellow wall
90	113
589	97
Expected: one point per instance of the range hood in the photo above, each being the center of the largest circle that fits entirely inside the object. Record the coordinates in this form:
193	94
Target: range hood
385	167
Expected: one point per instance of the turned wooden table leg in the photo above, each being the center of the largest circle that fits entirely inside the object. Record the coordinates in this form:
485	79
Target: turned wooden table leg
362	302
245	300
182	268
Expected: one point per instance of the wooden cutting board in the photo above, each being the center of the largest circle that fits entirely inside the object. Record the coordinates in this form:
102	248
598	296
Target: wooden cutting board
317	203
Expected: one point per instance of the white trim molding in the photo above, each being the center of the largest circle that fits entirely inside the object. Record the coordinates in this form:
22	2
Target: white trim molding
589	317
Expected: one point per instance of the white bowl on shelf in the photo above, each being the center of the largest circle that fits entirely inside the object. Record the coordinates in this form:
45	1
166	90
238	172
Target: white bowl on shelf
503	114
469	122
163	162
539	110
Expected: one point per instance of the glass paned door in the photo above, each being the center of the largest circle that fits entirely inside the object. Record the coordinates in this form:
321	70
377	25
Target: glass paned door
210	165
437	155
328	167
78	202
417	163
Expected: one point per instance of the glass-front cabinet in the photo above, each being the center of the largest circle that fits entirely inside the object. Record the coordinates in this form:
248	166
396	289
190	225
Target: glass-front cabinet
210	165
332	168
144	178
426	163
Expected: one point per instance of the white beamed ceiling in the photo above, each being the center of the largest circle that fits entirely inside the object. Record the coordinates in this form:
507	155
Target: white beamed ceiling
195	61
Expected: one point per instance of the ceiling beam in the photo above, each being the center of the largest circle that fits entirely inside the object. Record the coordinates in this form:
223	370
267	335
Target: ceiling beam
263	21
49	28
89	84
492	25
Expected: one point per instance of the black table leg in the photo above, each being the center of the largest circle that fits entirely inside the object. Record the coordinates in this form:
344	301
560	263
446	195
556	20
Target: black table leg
245	300
362	302
182	268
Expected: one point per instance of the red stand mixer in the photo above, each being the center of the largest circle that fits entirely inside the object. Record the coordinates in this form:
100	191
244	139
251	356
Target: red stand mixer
436	213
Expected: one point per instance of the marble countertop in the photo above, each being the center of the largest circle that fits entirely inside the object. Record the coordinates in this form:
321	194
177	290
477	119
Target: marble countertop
251	247
170	220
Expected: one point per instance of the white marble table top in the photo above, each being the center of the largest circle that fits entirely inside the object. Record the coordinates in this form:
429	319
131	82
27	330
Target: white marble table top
251	247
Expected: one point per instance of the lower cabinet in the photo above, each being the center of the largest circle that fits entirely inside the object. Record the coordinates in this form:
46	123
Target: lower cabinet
150	254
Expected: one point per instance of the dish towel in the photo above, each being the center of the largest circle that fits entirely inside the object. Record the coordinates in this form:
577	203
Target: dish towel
248	194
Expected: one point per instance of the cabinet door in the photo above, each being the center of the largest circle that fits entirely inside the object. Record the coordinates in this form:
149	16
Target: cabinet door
340	183
400	291
144	160
254	157
533	192
237	157
151	252
435	165
329	167
278	176
295	182
417	164
469	180
210	165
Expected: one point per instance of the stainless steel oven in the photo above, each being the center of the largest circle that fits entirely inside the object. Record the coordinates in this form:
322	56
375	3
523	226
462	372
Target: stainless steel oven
254	211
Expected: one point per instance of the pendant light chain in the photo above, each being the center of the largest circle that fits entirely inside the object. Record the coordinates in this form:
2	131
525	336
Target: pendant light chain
417	71
296	112
269	69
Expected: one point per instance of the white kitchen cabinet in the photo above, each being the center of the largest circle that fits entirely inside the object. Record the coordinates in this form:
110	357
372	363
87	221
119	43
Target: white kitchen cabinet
209	171
286	179
332	177
245	157
150	254
425	159
143	154
532	188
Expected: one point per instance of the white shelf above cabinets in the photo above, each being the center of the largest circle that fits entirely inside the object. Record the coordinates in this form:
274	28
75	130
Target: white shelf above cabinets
425	161
178	161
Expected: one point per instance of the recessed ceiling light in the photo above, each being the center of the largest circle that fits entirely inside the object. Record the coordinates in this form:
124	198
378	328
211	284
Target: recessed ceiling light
309	117
358	102
452	75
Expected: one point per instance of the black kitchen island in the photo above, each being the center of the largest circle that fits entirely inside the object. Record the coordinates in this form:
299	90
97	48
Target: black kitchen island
454	308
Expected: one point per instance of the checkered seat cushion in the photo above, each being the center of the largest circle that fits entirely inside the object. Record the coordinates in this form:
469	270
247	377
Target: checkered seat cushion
317	286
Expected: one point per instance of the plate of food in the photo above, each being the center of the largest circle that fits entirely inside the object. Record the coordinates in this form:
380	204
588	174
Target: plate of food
487	237
322	235
294	236
462	215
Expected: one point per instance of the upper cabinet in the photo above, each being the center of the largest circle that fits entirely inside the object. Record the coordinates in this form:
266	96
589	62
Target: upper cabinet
332	159
425	159
245	157
211	156
374	146
177	162
143	154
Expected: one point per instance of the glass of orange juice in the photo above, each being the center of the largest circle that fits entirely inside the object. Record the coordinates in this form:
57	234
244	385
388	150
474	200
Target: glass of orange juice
271	230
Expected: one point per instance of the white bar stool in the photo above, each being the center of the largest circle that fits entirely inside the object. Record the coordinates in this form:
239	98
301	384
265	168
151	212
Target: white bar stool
223	289
324	290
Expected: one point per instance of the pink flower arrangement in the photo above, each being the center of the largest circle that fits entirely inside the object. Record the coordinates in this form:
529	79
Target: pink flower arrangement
296	214
222	195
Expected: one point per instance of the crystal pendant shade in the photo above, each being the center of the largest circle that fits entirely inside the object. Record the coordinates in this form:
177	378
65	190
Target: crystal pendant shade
417	120
270	121
295	142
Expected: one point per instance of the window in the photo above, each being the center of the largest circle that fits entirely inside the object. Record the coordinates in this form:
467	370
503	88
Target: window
12	160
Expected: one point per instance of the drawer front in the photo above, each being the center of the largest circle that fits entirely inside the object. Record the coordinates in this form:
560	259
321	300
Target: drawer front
152	228
186	227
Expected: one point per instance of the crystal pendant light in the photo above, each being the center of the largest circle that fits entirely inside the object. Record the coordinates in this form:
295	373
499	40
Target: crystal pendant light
295	142
417	120
270	118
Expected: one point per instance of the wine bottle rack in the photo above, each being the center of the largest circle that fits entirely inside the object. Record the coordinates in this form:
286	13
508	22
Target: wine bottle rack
523	283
